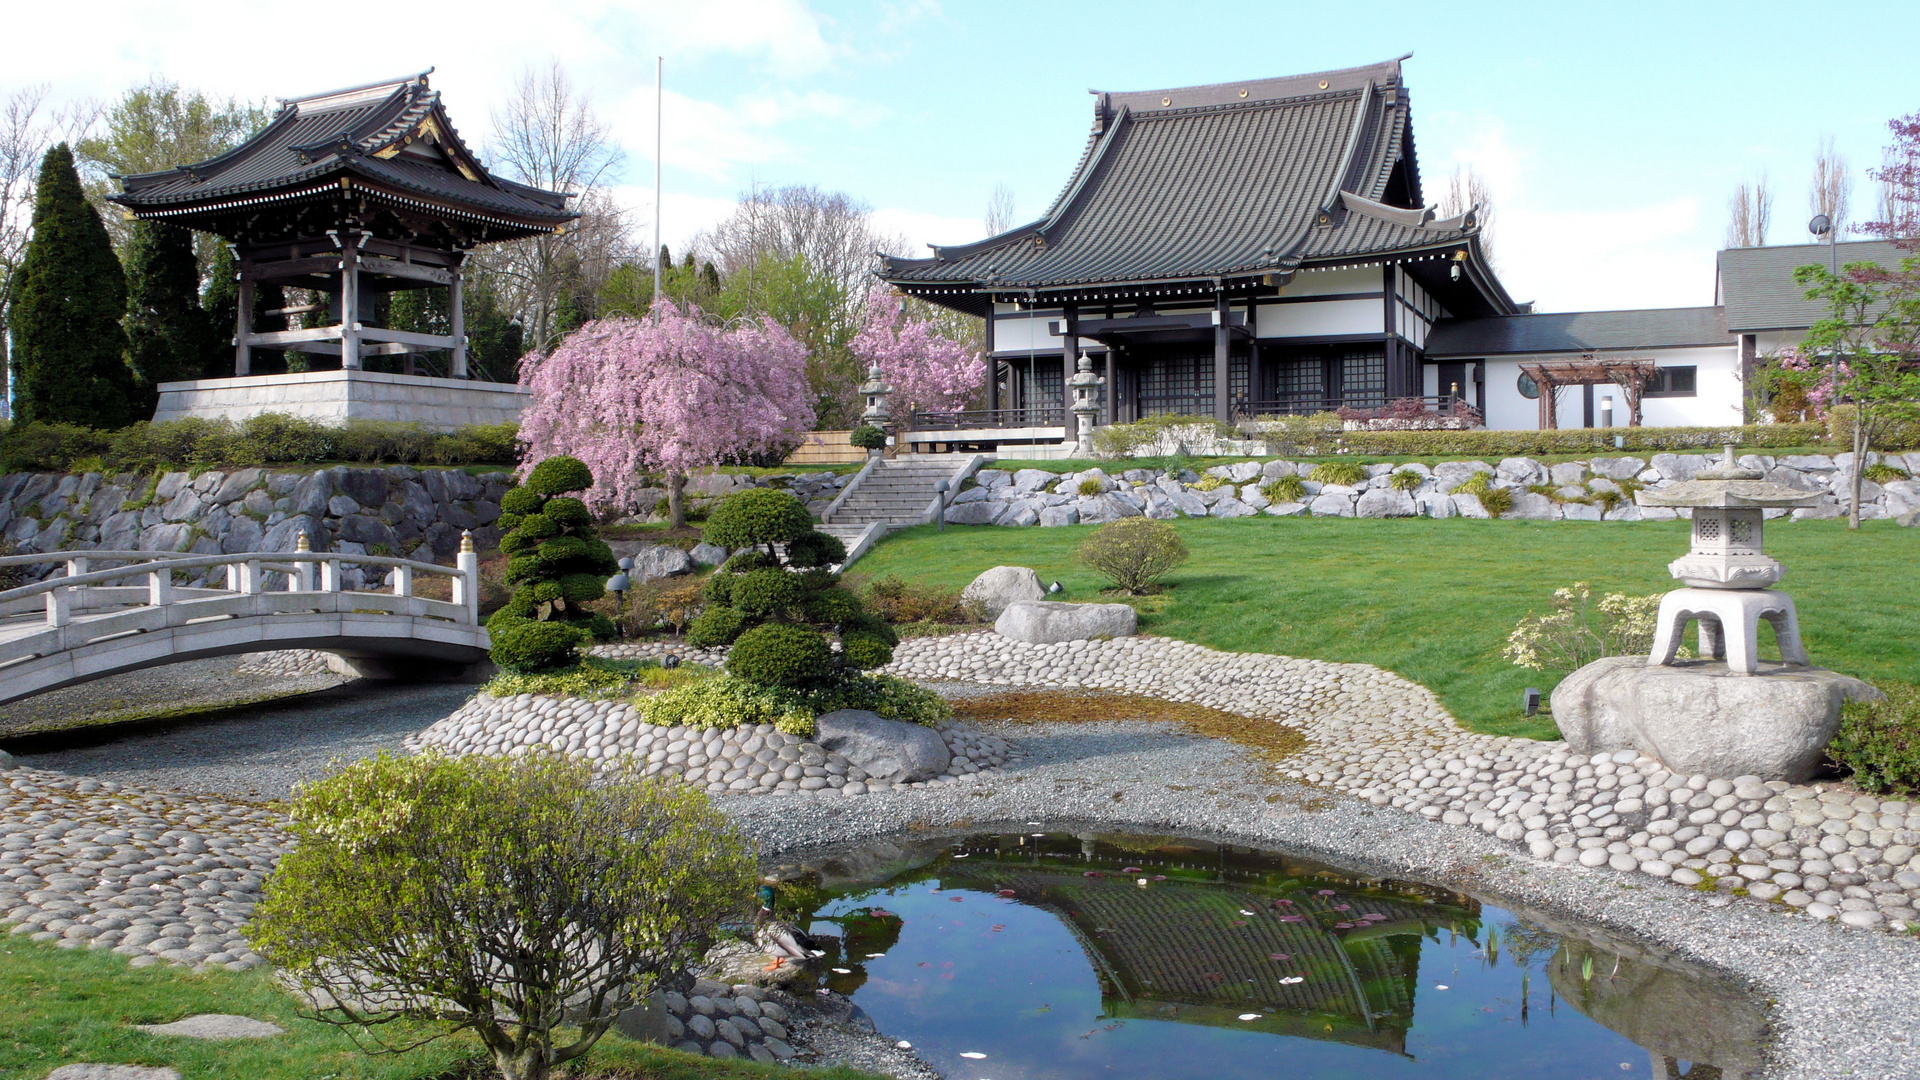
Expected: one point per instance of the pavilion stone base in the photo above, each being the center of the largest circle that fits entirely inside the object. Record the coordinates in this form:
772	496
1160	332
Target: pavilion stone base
1698	716
337	396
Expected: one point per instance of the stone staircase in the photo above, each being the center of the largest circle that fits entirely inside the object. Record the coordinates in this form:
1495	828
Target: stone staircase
893	494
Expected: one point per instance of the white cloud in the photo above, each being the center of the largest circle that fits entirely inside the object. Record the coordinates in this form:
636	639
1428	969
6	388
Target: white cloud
723	141
682	216
920	230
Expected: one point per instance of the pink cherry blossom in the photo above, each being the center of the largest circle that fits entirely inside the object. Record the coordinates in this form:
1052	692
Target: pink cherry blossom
928	371
671	393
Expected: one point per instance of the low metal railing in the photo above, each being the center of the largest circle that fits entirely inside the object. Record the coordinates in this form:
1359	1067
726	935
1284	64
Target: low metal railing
1035	416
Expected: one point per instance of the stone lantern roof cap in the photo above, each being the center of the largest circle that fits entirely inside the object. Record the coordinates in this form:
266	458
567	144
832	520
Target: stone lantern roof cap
1728	486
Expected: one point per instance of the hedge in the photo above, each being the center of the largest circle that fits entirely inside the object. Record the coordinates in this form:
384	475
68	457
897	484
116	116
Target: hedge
1578	440
267	439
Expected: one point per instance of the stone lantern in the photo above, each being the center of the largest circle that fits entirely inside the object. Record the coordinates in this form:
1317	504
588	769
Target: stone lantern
1726	719
876	391
1086	403
1726	572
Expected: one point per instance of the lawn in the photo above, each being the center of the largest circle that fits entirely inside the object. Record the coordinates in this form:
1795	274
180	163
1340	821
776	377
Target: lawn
59	1007
1435	600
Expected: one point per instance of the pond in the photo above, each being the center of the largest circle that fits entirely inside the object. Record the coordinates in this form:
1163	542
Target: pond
1079	955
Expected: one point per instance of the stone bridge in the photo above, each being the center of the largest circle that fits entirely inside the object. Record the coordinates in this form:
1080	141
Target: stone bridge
88	623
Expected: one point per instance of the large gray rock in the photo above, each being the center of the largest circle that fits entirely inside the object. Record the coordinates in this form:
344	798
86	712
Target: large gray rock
1911	520
1618	468
1232	508
1697	717
1331	505
1046	622
974	513
652	561
994	589
887	749
1531	506
1112	506
1385	503
709	554
215	1026
1055	516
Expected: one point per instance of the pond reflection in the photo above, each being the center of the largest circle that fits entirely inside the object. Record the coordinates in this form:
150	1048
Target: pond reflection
1064	955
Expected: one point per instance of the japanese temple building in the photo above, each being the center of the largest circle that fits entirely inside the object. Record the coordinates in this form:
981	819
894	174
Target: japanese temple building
1265	248
351	193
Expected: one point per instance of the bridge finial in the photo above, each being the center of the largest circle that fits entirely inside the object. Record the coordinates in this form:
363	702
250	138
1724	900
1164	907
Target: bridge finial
301	544
466	542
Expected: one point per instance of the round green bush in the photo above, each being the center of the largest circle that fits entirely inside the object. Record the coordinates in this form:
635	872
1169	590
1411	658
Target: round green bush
868	623
750	559
811	549
1134	553
832	607
714	627
865	651
560	551
867	437
567	511
506	523
764	593
582	588
525	645
519	500
516	542
558	475
522	567
719	587
758	516
781	654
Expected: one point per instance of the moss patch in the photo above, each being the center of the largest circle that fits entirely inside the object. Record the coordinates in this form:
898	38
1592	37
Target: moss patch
1269	740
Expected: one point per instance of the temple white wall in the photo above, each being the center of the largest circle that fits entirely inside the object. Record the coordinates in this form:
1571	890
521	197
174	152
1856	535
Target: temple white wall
337	396
1718	396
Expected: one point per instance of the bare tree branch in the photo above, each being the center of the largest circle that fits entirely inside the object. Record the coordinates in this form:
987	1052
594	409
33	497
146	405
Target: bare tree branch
1831	192
1750	214
999	209
1468	190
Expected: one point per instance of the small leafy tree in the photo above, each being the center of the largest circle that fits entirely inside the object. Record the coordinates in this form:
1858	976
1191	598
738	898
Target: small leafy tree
1575	634
1134	552
1871	338
557	565
927	370
867	437
775	611
69	352
504	896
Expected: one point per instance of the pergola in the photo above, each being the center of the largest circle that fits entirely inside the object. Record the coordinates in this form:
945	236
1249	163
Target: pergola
1632	376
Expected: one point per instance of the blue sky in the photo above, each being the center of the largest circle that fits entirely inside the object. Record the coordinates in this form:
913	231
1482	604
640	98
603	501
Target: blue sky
1612	135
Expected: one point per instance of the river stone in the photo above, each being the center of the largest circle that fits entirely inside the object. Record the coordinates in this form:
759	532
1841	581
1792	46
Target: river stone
886	749
1044	622
1697	717
112	1073
215	1026
996	588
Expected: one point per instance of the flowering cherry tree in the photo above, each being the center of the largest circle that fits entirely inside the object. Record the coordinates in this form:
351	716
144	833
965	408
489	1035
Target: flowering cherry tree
669	393
1801	386
928	370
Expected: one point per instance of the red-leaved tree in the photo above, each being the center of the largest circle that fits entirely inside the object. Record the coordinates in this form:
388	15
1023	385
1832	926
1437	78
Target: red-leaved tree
928	371
1899	178
669	393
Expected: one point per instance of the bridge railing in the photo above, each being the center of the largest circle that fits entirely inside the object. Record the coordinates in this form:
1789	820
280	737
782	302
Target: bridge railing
315	581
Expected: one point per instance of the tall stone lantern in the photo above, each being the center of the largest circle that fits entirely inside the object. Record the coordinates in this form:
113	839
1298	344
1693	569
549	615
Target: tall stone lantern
1086	402
876	392
1725	713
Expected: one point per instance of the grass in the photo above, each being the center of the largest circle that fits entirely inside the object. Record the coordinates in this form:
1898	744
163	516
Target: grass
1435	600
59	1007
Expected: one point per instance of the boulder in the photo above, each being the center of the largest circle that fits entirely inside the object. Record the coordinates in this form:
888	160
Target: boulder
1331	505
1109	507
652	561
1574	511
709	554
1679	466
1531	506
1032	480
1054	516
1699	717
1287	509
1231	508
1618	468
994	589
974	513
1520	470
972	494
1019	514
1468	506
888	750
1045	622
1385	503
1436	504
218	1027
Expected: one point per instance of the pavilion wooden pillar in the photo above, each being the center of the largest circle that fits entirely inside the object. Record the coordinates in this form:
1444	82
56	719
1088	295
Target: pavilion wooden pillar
993	369
457	319
1069	355
1222	348
243	323
350	302
1111	388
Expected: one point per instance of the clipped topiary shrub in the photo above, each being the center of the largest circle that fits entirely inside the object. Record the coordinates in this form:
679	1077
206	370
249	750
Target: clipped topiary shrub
868	437
757	518
527	645
556	565
1880	740
781	654
1134	552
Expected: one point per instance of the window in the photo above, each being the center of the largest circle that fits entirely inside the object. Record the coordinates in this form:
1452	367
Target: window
1363	378
1527	387
1673	382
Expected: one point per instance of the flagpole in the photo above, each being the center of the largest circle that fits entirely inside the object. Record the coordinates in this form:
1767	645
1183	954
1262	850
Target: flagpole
659	69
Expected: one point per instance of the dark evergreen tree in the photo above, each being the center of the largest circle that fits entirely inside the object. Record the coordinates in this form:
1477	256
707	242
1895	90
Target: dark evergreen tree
69	357
221	302
495	340
166	327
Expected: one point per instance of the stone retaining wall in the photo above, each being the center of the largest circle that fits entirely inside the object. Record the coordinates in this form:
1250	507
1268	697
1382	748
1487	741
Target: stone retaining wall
1589	490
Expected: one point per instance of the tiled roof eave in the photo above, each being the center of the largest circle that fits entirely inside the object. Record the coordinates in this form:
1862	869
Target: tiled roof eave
335	186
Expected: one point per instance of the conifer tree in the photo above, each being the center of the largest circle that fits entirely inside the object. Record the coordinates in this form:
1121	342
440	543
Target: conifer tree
221	302
69	358
166	327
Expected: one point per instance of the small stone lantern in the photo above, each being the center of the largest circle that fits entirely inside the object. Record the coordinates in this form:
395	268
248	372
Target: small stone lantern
1726	572
1086	405
876	391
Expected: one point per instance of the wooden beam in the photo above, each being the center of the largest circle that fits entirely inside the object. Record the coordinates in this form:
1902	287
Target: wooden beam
330	348
411	271
407	337
292	268
349	302
243	326
279	338
457	317
1222	349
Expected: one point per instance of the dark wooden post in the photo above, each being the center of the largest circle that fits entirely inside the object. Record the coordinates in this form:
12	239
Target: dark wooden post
1111	388
1069	353
350	302
243	325
457	318
1221	349
993	369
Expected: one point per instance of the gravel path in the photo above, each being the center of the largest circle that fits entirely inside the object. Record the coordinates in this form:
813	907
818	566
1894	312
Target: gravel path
261	751
173	689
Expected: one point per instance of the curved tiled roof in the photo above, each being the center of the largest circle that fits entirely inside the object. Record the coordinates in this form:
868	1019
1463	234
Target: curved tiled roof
1233	179
359	133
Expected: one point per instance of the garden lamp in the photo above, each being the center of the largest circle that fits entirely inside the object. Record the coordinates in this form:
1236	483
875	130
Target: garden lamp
619	583
1532	701
940	506
670	661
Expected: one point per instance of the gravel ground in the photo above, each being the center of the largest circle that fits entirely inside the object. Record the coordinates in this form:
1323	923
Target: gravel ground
260	751
191	686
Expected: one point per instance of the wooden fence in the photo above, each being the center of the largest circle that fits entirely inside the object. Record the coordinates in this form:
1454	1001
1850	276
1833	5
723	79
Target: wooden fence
826	448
